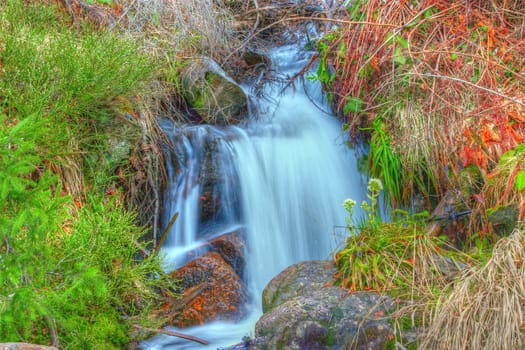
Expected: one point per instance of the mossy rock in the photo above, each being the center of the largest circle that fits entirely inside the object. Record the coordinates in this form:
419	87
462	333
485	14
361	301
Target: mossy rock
327	318
296	280
303	310
212	94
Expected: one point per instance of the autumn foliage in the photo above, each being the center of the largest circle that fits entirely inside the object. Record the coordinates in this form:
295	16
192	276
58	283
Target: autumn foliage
446	80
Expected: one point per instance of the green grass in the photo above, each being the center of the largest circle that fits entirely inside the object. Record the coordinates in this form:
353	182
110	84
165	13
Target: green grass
67	78
70	274
384	163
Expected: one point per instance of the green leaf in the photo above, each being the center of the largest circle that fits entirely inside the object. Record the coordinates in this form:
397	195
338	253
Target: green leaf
402	41
520	180
353	104
399	58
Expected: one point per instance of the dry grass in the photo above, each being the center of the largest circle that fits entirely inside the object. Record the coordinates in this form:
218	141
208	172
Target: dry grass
486	307
184	28
433	269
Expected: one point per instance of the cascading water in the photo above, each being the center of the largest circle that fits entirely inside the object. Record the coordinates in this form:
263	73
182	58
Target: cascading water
282	178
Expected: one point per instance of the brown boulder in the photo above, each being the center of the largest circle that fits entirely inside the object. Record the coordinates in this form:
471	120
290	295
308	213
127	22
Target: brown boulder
213	291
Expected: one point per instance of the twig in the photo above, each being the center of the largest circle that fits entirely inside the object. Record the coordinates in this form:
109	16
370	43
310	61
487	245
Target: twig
173	334
459	80
53	334
166	231
400	346
141	248
257	19
157	205
69	8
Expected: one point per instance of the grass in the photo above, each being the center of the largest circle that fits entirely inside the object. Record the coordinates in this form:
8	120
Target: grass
70	83
486	305
71	273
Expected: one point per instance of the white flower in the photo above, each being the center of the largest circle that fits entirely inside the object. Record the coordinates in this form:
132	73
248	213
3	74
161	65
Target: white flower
375	185
349	204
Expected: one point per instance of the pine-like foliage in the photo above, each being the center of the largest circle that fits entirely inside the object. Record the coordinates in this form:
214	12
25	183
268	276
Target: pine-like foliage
70	272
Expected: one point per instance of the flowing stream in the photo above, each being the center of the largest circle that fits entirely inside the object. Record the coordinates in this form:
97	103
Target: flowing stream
281	178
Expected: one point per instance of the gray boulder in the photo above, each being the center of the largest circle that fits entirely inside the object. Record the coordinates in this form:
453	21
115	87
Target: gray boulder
297	280
303	311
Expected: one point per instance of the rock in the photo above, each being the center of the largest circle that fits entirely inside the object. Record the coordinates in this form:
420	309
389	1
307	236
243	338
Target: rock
253	58
303	311
25	346
504	219
295	281
327	318
213	291
230	246
210	179
212	94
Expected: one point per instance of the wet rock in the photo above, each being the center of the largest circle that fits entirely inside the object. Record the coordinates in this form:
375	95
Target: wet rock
305	312
230	246
219	199
212	291
212	94
210	178
296	280
253	58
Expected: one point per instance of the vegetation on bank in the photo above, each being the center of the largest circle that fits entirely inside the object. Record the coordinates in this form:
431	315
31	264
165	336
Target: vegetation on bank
435	88
71	271
82	85
438	87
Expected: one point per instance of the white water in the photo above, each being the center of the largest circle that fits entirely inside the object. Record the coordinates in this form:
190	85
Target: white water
287	176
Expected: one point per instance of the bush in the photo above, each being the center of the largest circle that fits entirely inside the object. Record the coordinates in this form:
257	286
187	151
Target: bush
69	275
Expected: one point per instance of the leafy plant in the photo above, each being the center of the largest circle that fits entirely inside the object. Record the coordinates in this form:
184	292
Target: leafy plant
68	276
384	163
388	256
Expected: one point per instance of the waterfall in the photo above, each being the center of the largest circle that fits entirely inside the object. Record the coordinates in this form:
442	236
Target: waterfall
282	178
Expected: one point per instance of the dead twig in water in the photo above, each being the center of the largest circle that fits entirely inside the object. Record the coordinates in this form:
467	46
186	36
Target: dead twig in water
166	231
173	334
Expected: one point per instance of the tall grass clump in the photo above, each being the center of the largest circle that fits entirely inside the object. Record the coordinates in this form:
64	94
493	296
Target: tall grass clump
390	256
68	80
399	258
485	309
181	28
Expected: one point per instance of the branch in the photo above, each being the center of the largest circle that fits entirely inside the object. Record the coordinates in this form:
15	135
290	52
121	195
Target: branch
173	334
157	205
466	82
166	231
